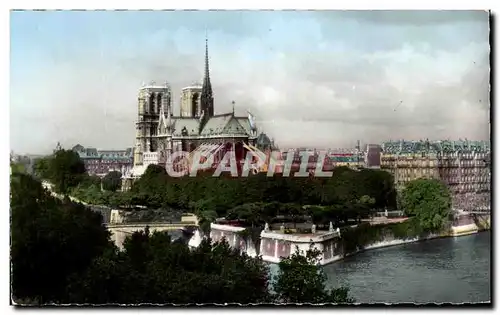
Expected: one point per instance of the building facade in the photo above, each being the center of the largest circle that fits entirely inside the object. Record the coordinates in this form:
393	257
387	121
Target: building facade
463	165
101	162
159	133
152	99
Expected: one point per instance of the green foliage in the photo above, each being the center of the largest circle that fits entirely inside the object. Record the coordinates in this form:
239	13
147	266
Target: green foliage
61	253
41	167
205	218
88	181
221	194
112	181
51	239
64	169
17	168
301	279
150	189
358	238
152	269
429	201
255	199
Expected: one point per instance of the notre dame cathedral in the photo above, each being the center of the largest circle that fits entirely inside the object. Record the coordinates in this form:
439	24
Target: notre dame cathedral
197	128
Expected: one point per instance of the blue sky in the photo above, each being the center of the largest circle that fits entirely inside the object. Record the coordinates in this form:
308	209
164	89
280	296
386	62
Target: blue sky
315	78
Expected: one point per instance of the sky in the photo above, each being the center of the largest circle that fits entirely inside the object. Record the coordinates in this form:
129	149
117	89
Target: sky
320	79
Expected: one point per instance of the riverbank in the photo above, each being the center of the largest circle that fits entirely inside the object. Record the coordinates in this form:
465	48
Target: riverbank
460	231
273	245
421	272
391	243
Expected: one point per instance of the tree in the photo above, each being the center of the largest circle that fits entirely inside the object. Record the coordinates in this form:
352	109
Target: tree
429	201
318	214
152	186
88	181
17	167
301	279
364	206
379	185
112	181
205	213
153	269
251	213
51	239
66	170
41	167
295	212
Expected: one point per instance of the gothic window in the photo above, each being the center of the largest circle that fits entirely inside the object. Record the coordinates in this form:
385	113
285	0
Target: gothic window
158	101
194	104
152	103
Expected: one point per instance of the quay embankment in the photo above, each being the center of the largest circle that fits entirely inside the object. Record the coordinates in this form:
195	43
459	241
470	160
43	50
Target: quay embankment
274	242
334	246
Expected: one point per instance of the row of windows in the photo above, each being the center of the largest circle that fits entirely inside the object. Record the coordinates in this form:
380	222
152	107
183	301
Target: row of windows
436	162
95	167
464	164
466	179
470	198
98	162
464	172
469	188
414	158
452	180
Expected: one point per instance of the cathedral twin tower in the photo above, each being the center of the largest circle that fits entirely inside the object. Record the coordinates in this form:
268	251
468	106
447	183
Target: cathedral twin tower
195	99
155	110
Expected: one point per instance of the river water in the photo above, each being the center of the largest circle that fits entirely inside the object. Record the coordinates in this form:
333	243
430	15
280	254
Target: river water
453	270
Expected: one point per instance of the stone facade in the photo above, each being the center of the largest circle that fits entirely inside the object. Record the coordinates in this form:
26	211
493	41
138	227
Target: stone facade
159	133
275	245
463	165
100	162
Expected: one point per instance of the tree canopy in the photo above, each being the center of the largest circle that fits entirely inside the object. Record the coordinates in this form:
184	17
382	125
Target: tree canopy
51	239
112	181
152	269
301	279
41	167
429	200
17	168
348	195
64	169
61	253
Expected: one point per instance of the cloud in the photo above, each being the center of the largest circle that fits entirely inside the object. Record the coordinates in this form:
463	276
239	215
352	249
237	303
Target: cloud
414	17
440	96
305	87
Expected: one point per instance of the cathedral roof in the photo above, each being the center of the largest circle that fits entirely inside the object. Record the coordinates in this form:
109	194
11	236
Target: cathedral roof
263	139
223	125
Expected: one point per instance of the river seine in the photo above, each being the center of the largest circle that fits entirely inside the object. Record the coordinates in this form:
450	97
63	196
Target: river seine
453	270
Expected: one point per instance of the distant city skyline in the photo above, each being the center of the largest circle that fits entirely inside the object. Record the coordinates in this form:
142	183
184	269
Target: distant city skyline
316	79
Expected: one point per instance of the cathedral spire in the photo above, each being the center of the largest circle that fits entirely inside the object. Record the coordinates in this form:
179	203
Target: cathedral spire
207	68
206	99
